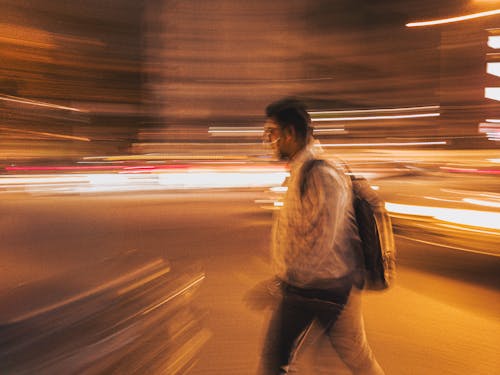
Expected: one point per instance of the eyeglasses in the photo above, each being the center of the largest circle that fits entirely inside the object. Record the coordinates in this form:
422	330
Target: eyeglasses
268	130
271	134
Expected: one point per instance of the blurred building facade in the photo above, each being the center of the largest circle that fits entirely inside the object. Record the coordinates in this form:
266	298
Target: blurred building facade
70	77
93	77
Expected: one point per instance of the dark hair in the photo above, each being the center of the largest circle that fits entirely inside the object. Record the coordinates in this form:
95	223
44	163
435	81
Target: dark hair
291	112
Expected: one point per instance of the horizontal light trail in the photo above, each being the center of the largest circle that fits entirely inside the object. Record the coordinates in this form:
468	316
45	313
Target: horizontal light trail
402	109
121	280
453	19
388	144
365	118
470	170
482	202
493	68
9	98
45	134
492	93
175	294
253	130
468	250
483	219
147	180
494	41
235	130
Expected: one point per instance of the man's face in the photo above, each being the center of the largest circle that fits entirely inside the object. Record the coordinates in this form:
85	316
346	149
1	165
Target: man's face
274	136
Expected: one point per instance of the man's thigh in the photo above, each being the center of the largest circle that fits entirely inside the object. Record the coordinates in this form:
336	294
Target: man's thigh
288	323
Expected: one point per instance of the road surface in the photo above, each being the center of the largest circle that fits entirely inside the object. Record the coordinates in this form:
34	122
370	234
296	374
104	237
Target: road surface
440	318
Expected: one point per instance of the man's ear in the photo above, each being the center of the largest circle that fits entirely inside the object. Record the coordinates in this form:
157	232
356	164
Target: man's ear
289	132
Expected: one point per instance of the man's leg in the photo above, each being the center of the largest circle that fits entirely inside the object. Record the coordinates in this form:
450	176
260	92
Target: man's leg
288	325
348	337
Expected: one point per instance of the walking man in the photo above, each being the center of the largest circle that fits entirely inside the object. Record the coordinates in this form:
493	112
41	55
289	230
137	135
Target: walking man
313	251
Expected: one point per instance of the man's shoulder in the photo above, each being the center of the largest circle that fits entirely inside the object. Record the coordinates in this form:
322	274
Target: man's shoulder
324	166
324	172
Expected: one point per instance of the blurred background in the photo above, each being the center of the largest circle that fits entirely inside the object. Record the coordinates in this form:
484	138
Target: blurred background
136	193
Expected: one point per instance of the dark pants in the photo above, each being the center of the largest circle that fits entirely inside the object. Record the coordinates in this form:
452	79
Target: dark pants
293	316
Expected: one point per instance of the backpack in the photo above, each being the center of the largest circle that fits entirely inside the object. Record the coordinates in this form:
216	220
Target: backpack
375	230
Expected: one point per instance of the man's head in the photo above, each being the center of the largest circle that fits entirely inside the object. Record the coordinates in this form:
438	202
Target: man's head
288	127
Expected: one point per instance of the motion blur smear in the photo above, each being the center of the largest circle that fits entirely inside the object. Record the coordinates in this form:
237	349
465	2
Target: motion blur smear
130	131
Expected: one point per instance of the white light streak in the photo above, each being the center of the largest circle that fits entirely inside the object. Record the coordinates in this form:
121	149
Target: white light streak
388	144
15	99
493	68
482	202
492	93
453	19
402	109
365	118
484	219
122	182
279	189
494	41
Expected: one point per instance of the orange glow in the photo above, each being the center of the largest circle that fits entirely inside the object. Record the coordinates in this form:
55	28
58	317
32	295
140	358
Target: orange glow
453	19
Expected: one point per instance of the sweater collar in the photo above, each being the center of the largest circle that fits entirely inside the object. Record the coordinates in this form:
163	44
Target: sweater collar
302	156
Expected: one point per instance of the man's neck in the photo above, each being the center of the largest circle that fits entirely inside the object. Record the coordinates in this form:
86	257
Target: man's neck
297	151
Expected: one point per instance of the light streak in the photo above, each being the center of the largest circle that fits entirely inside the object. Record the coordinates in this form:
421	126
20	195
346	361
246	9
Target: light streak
63	168
175	294
365	118
53	135
471	170
492	93
442	199
494	41
94	291
446	245
462	228
402	109
484	219
493	68
482	202
328	130
196	178
15	99
388	144
279	189
235	130
453	19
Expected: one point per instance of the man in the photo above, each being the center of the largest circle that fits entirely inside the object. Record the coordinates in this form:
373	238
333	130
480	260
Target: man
313	251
